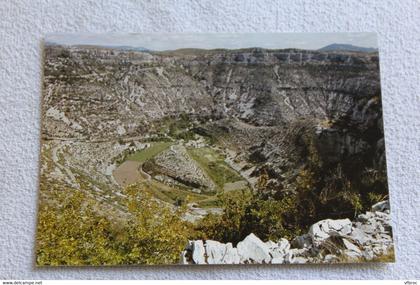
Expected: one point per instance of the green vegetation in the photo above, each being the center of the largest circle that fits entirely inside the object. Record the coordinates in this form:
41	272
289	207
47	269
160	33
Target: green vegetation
214	165
177	127
210	202
244	213
72	232
145	154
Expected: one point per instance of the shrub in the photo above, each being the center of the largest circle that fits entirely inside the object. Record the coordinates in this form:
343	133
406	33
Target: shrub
244	213
157	234
231	226
71	231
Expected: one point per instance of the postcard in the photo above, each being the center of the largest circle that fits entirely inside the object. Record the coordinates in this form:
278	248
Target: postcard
212	149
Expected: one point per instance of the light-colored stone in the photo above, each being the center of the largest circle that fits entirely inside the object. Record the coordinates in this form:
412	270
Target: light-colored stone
300	260
368	254
277	260
253	250
322	230
183	258
359	236
331	258
231	255
348	245
271	244
380	249
381	206
219	253
284	245
294	255
351	255
280	249
364	239
198	252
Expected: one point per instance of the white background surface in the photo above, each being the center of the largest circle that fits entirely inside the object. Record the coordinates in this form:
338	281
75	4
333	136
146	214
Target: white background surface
24	23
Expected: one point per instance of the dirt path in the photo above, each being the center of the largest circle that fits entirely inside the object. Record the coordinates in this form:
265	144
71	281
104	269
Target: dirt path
129	172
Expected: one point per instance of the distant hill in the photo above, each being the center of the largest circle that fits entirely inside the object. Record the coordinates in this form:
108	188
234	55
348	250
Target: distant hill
346	47
51	43
128	48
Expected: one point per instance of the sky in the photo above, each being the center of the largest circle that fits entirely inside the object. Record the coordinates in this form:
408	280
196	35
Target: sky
173	41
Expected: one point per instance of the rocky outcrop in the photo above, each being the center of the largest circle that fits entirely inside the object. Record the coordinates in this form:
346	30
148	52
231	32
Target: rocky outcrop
323	230
93	93
327	241
177	164
273	108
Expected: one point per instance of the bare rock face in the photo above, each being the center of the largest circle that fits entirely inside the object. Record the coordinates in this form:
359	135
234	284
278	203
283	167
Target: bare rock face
328	241
122	87
260	101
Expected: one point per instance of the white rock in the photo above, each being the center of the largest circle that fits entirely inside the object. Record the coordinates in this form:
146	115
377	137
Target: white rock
271	244
183	257
231	255
368	254
284	245
369	228
360	236
351	246
380	249
253	250
330	258
215	251
277	260
198	252
280	249
300	260
322	230
352	255
219	253
381	206
295	255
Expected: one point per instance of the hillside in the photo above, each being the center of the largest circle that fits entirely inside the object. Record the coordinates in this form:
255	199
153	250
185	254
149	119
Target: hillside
301	129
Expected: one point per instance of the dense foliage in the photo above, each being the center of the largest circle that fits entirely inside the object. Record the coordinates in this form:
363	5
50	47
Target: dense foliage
72	231
244	212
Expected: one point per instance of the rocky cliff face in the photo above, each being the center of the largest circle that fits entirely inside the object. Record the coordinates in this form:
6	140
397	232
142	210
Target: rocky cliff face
328	241
94	93
281	112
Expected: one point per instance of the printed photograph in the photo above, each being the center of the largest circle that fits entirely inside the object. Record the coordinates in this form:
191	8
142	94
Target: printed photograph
161	149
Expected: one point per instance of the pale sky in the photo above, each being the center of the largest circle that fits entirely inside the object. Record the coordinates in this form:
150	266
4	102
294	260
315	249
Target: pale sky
173	41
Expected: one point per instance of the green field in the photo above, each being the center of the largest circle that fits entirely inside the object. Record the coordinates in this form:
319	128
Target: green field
209	160
145	154
214	165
